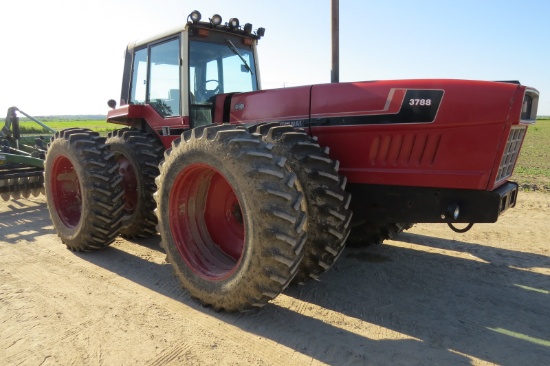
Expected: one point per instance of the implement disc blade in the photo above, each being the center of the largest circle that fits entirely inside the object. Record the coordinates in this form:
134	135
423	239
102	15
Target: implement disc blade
20	183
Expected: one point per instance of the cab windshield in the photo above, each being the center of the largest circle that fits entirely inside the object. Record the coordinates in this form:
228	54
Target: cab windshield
217	68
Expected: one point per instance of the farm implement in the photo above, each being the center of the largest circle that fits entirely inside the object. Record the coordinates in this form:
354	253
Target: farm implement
21	158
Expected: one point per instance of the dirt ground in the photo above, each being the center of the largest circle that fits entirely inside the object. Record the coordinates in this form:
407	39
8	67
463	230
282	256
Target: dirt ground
430	297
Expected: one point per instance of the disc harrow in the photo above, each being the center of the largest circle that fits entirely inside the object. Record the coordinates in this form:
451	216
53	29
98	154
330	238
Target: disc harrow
21	164
23	183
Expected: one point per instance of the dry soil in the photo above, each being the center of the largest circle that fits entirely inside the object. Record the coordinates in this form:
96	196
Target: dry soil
430	297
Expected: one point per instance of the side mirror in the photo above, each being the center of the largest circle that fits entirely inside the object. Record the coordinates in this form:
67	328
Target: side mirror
111	103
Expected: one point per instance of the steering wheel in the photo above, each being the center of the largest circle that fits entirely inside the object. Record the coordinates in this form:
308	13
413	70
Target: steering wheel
206	94
216	89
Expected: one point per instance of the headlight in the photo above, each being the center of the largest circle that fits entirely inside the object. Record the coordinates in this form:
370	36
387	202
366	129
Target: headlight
216	20
195	16
233	23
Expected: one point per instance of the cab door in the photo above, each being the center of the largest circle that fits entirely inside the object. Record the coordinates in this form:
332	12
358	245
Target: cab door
156	77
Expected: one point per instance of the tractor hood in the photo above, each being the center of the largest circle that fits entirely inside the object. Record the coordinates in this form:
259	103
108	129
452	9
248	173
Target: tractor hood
380	103
426	133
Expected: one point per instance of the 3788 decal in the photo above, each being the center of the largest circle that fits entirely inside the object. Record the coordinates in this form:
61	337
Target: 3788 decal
422	102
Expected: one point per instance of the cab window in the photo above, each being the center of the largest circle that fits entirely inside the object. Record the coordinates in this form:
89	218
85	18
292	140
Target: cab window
216	68
139	77
164	80
156	78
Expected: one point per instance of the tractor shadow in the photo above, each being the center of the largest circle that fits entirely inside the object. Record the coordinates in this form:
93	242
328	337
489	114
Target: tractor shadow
24	220
304	334
491	307
494	256
152	243
447	306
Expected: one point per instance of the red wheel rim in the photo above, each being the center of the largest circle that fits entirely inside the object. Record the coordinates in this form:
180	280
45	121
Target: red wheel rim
66	192
206	222
129	184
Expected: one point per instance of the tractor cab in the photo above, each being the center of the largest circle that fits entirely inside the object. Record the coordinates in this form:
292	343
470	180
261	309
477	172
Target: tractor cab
179	73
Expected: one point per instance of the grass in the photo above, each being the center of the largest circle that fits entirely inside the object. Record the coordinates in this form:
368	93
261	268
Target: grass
30	127
532	170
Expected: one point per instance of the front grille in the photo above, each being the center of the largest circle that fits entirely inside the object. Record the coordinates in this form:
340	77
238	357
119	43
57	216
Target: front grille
511	153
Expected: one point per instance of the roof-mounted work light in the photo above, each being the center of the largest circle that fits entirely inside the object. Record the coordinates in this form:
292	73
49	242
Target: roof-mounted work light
216	19
195	16
248	28
260	32
233	23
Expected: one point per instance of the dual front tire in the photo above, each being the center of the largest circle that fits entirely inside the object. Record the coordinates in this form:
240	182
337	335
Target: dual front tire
230	217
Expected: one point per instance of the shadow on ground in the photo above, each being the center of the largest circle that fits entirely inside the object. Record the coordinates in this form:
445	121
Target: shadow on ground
450	306
24	220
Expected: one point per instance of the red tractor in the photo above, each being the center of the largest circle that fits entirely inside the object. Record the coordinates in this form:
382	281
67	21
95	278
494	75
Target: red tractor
240	182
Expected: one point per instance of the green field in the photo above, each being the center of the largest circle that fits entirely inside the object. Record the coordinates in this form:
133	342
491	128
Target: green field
30	127
532	170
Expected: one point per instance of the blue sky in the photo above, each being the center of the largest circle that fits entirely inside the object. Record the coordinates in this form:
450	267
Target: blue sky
65	57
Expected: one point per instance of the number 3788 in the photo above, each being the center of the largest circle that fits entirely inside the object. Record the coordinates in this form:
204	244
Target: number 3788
420	102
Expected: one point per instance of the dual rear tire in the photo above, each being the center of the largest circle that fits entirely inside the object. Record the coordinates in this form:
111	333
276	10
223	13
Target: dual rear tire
83	191
138	156
98	188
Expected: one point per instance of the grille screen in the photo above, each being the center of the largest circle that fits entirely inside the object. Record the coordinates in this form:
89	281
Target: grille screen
511	152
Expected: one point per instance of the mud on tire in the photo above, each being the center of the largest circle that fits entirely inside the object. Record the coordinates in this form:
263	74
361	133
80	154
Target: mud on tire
138	155
229	217
83	191
325	200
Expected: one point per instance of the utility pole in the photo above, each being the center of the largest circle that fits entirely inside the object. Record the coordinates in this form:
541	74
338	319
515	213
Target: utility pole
335	14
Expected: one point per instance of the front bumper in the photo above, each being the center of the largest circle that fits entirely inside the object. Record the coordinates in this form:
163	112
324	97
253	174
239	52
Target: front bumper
377	203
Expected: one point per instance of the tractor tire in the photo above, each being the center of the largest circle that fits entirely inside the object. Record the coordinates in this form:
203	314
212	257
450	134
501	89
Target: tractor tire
229	217
325	200
371	233
138	155
83	192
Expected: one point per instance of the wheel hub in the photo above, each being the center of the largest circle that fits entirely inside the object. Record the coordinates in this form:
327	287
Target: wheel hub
66	192
207	222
